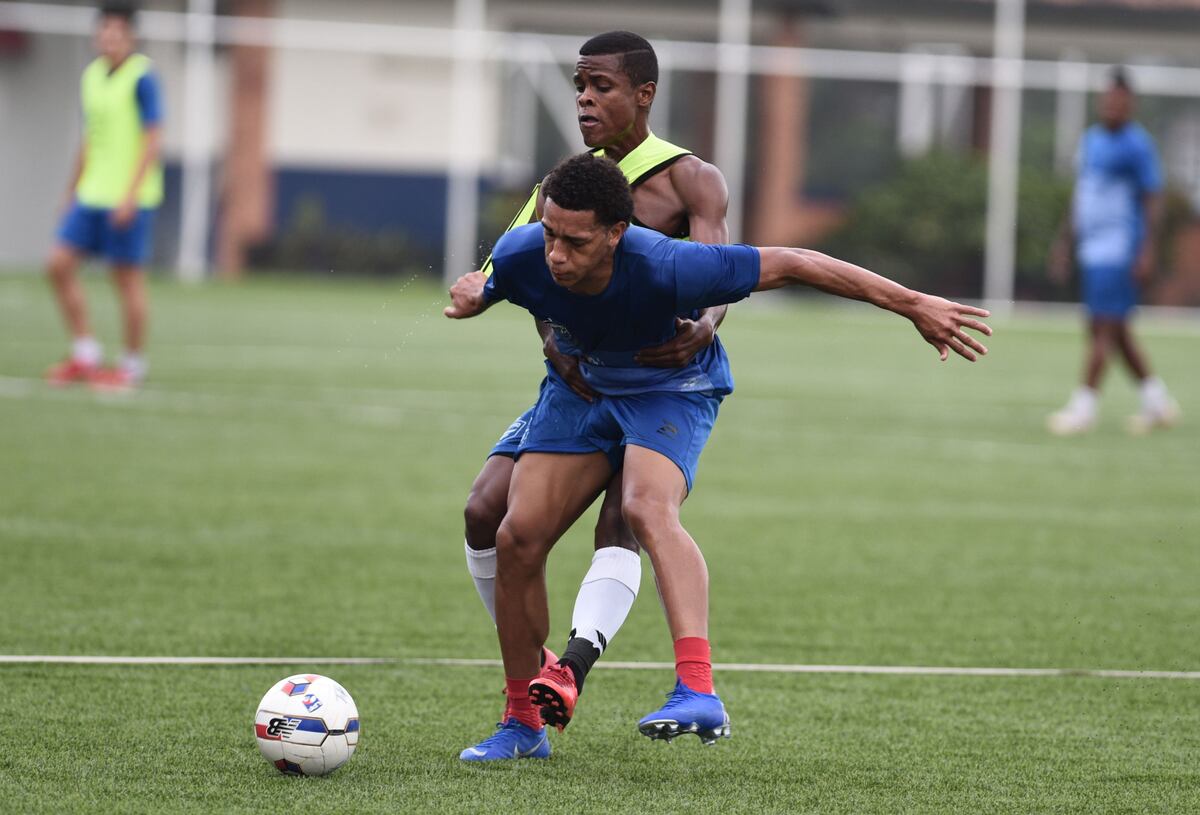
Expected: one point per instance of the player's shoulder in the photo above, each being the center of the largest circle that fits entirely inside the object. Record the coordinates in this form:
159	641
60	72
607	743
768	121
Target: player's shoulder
691	170
645	242
1139	135
518	242
698	182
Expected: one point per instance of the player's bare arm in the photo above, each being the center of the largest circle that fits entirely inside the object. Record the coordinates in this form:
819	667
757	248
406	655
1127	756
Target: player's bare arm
566	365
1154	205
941	322
705	198
1058	266
151	147
76	174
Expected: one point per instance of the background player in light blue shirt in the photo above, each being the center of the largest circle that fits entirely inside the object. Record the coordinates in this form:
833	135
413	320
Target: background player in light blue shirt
609	290
1115	214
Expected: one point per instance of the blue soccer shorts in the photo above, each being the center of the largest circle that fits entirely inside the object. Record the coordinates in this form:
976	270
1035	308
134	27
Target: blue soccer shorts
90	230
676	425
1109	291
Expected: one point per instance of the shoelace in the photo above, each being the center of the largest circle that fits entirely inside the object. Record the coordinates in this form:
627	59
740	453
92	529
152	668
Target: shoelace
678	696
501	727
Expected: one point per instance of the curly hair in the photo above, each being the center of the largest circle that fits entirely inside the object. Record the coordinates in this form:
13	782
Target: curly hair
587	182
638	60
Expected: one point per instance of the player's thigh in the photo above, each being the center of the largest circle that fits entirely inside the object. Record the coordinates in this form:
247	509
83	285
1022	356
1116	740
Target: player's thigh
675	425
549	492
488	499
611	529
653	486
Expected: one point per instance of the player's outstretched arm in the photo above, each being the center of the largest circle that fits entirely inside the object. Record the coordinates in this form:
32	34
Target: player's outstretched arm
466	297
941	322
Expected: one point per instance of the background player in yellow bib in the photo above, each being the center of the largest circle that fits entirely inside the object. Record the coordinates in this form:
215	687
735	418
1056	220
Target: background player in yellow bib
674	193
115	187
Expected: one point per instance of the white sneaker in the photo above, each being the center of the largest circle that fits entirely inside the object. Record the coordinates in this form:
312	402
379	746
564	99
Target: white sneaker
1068	422
1147	420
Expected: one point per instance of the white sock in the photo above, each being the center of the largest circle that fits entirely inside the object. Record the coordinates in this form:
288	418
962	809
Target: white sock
1153	393
135	365
481	563
607	594
86	350
1083	400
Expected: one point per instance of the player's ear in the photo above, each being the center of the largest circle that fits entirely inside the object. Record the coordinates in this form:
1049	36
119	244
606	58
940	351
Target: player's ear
615	232
645	94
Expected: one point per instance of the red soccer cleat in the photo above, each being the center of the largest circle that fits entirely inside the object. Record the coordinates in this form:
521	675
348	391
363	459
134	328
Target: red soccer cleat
68	372
113	380
554	692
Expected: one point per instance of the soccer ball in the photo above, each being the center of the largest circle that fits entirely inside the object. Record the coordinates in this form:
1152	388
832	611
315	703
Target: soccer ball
307	725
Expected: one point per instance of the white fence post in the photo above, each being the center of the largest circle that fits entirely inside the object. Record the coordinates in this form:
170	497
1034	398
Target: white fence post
1004	154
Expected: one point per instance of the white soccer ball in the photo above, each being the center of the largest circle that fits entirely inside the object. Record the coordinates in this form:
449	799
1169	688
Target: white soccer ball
307	725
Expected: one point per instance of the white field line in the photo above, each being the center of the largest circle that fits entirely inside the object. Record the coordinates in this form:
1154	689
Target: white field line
729	667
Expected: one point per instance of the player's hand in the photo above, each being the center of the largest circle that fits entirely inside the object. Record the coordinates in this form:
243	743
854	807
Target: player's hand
568	368
691	337
1058	266
1143	269
466	297
123	215
942	322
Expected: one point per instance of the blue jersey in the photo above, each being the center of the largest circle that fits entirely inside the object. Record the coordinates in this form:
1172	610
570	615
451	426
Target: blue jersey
654	279
1116	169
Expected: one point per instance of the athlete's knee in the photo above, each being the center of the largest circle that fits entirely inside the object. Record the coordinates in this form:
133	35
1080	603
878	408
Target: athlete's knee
611	529
485	509
60	265
521	548
645	513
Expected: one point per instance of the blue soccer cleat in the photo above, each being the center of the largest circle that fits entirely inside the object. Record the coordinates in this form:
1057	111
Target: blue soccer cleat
687	711
511	740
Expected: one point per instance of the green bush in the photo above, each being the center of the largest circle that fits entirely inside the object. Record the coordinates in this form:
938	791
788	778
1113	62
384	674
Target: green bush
926	225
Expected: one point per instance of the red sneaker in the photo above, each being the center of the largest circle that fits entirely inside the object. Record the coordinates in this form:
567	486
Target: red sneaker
69	372
113	380
554	692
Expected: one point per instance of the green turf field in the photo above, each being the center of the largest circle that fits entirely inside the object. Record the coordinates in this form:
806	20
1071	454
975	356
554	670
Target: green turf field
290	483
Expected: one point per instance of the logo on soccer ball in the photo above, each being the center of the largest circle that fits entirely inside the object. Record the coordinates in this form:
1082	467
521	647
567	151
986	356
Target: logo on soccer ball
278	728
311	703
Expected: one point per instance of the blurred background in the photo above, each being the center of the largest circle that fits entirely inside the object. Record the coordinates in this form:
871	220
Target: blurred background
932	139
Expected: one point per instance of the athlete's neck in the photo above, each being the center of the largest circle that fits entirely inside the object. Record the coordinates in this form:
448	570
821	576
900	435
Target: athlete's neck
628	140
595	282
114	63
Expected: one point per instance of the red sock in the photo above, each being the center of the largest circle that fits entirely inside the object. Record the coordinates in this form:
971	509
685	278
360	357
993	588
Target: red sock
519	706
693	663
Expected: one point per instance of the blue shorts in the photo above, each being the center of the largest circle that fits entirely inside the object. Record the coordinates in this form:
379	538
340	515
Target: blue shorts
90	230
1109	291
677	425
510	439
